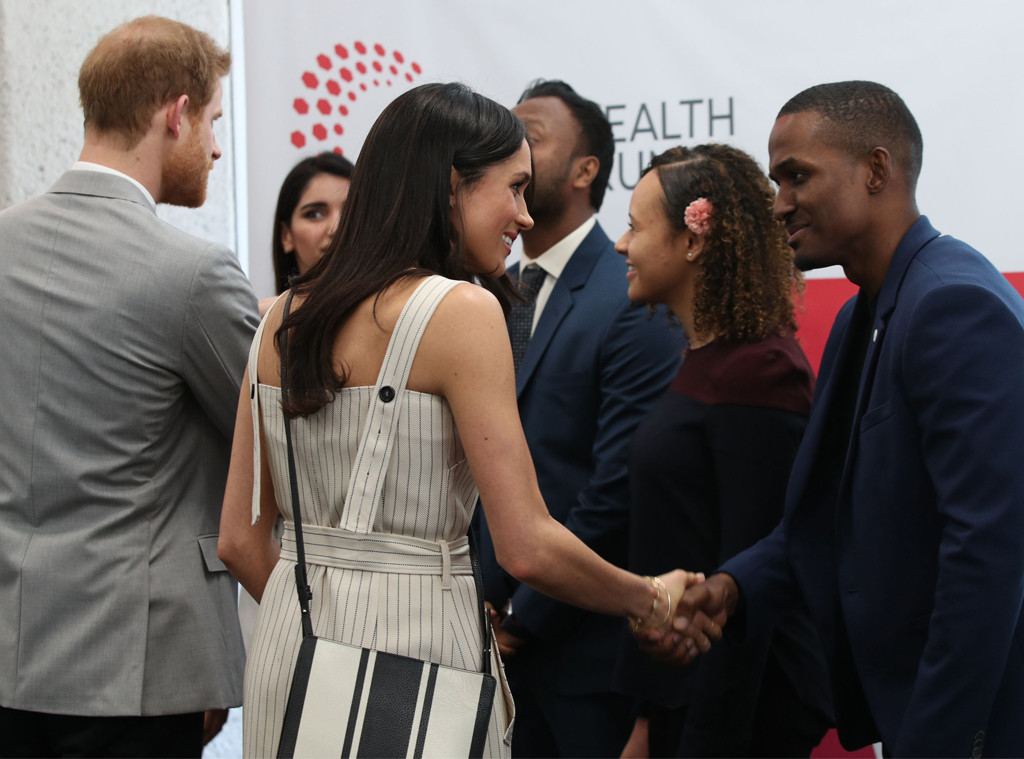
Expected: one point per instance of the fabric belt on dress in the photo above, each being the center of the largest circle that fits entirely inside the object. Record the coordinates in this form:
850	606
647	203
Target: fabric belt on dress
379	552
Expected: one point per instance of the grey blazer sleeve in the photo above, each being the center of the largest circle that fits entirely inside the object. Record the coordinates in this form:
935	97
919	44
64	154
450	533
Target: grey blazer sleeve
220	321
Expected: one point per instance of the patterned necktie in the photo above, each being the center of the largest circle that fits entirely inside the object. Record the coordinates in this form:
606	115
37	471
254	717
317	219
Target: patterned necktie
520	320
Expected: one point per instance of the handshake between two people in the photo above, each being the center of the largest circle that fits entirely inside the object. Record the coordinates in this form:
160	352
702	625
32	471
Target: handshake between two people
687	616
700	608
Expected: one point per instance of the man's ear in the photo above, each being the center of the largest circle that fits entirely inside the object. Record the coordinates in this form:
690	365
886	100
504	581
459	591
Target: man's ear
585	171
175	111
879	165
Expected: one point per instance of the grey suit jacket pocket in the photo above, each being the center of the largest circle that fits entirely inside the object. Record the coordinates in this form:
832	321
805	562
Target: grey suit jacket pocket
208	545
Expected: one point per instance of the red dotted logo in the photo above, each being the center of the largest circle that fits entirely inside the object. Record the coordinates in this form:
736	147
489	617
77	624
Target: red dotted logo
338	81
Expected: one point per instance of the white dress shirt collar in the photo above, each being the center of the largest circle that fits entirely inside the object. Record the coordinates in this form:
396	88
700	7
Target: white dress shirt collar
88	166
553	261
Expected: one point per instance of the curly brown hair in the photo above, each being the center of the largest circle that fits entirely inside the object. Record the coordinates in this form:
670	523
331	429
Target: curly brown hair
746	280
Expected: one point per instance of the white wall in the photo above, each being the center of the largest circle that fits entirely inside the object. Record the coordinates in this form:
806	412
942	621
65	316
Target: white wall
42	45
959	67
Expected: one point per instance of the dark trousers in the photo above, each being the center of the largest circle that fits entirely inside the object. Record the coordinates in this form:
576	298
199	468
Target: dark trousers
550	724
783	726
35	734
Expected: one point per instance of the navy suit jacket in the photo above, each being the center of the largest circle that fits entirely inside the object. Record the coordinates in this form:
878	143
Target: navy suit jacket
594	366
919	550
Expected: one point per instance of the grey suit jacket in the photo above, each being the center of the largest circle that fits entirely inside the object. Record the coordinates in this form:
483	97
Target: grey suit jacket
124	344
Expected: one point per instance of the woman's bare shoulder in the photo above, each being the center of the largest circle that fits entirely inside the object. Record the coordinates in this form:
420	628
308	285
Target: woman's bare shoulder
467	300
467	330
468	312
269	361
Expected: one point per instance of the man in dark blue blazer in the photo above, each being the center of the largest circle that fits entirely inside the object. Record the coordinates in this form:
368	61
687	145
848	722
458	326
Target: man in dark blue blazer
904	520
592	368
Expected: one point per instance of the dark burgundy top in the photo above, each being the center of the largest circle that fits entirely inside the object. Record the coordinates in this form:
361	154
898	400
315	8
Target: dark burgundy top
708	468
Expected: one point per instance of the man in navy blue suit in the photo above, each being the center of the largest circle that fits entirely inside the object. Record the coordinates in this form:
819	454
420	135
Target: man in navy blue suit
904	522
591	368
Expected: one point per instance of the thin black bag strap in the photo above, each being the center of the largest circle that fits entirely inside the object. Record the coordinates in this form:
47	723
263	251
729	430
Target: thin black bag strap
302	588
301	579
478	580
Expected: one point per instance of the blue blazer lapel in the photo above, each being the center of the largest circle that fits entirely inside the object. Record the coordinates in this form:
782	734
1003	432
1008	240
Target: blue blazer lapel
919	234
560	303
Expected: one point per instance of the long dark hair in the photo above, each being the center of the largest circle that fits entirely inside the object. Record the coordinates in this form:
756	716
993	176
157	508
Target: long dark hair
298	179
396	222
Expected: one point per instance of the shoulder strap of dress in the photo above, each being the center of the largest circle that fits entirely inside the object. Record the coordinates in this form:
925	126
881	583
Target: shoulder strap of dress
254	402
377	439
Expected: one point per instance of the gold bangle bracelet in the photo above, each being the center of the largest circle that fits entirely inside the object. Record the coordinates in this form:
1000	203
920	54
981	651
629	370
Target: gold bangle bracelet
668	600
636	623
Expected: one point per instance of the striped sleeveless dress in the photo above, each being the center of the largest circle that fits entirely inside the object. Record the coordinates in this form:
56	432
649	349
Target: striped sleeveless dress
387	498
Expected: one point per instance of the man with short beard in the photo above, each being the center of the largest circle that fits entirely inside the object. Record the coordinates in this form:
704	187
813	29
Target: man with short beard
125	344
588	368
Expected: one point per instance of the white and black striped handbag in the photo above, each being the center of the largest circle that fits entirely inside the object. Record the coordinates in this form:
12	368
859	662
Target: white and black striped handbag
347	701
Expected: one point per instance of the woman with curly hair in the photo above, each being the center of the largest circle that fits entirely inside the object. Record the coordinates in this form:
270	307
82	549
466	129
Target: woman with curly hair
708	466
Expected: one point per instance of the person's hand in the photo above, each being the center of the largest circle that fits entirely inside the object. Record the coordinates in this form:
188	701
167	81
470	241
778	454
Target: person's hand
638	745
508	644
676	582
659	623
699	618
213	721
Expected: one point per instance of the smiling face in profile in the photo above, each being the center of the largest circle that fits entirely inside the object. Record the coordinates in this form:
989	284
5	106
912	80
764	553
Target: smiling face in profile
655	251
822	192
490	213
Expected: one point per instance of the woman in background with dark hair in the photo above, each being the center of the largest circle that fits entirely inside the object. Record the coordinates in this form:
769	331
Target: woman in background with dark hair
390	324
708	466
308	208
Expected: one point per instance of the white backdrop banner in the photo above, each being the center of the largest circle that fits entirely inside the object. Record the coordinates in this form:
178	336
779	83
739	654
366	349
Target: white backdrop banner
666	72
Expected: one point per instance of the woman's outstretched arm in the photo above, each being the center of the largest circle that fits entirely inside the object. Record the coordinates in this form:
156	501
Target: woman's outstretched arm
465	356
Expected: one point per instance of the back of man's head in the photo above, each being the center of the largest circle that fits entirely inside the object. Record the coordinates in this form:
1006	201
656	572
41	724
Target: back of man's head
596	136
143	65
859	116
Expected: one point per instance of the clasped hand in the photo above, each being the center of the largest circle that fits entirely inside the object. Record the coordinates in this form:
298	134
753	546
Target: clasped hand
508	644
700	609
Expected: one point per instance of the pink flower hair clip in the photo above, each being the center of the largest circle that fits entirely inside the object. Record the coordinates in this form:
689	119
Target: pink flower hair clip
698	216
